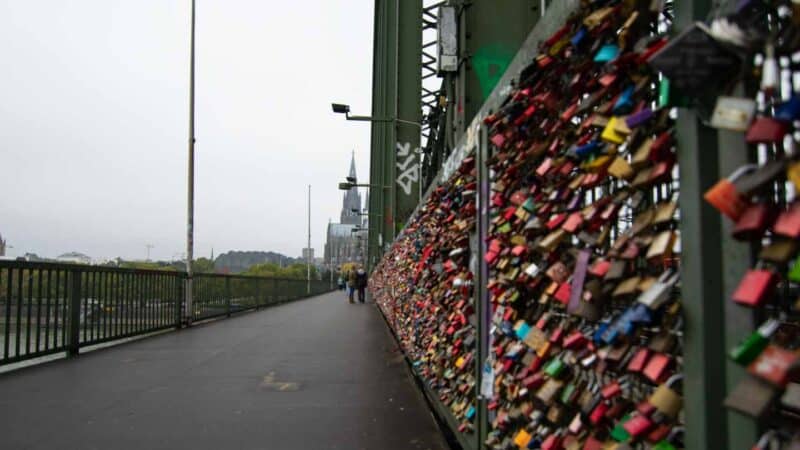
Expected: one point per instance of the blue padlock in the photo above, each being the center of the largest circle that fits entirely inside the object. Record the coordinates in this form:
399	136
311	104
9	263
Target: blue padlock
624	102
606	53
579	36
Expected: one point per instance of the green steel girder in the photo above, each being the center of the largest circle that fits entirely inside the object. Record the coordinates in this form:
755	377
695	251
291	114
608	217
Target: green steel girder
396	87
408	109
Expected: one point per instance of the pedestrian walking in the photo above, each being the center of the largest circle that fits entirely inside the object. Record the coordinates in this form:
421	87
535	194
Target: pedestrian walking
361	283
351	285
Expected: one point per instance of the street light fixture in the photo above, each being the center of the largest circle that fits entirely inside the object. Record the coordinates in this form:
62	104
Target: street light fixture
346	186
355	210
340	108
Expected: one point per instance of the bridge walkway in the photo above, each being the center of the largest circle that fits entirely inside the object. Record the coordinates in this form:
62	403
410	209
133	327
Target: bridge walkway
313	374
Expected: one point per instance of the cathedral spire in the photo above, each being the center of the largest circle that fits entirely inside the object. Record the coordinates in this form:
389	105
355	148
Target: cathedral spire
351	202
353	165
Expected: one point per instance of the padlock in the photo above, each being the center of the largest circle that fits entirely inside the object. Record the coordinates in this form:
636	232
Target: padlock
661	246
638	425
779	252
788	222
774	364
665	399
660	291
766	130
753	345
724	196
755	287
733	113
753	222
522	438
752	396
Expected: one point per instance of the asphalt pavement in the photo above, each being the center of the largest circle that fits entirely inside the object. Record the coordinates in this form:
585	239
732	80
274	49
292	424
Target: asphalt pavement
313	374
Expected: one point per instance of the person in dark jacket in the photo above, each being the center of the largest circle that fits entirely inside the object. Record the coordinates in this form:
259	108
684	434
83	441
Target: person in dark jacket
351	284
361	283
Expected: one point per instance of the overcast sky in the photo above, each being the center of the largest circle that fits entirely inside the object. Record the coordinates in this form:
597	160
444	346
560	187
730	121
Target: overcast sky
94	120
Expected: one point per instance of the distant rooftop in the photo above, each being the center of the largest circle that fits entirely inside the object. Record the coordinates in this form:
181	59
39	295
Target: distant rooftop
74	255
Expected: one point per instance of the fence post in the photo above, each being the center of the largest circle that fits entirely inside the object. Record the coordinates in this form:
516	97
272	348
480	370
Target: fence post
179	300
74	302
258	294
228	296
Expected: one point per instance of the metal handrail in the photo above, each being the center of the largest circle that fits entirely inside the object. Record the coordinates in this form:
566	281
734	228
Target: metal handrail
48	308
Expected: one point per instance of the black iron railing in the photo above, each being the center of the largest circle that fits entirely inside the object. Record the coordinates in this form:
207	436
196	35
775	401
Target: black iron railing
49	308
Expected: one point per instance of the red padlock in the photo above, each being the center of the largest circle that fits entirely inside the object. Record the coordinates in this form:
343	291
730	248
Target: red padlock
753	222
638	425
656	368
756	286
774	365
563	292
788	223
639	360
552	442
598	413
611	390
726	198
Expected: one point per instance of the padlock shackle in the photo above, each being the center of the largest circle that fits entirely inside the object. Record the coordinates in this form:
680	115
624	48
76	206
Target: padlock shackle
765	439
769	328
671	380
743	170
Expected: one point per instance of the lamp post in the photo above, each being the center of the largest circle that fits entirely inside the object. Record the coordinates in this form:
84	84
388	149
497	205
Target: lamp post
308	249
190	190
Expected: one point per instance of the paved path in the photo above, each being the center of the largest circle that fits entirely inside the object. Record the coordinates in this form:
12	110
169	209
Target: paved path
314	374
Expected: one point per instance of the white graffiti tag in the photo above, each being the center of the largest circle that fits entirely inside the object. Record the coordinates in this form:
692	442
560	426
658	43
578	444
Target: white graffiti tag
408	169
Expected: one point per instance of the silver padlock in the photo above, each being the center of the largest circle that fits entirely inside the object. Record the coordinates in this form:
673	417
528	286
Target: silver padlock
659	292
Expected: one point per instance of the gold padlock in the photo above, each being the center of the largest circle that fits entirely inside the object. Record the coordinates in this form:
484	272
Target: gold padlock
666	400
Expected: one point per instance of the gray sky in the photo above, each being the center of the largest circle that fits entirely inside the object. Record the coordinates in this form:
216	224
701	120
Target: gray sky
93	122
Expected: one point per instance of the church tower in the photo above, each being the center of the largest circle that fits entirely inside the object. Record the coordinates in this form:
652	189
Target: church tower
352	199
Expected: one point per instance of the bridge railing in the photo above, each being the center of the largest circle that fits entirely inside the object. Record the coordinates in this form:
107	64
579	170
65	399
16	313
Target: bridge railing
48	308
217	295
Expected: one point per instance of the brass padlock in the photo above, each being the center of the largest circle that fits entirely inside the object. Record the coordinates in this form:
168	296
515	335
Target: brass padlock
667	400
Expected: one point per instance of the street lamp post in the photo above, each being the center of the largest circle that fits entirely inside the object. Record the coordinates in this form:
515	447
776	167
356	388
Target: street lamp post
308	249
190	193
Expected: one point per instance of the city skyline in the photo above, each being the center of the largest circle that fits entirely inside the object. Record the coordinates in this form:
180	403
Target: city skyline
99	153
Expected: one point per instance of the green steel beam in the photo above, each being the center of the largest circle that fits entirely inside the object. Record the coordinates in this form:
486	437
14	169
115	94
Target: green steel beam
701	271
387	144
701	287
394	157
381	224
408	108
375	172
